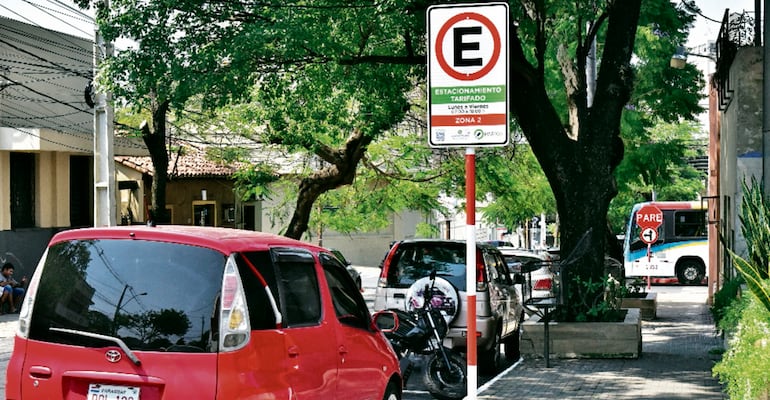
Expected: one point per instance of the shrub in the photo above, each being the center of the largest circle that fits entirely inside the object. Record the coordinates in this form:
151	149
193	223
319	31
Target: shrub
745	364
723	299
743	368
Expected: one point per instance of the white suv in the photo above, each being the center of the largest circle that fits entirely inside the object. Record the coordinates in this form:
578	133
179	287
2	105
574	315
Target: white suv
498	307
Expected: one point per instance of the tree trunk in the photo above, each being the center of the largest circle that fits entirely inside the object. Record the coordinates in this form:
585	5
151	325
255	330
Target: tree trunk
579	159
340	171
155	140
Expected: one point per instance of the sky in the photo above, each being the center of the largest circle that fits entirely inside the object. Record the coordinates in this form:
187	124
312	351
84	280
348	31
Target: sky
704	30
59	15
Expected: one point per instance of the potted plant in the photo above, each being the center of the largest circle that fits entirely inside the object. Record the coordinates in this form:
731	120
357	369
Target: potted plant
605	330
637	296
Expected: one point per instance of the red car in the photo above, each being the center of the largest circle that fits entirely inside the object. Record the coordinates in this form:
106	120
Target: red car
182	312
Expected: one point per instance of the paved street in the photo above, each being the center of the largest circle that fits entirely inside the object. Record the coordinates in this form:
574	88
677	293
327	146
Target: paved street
675	364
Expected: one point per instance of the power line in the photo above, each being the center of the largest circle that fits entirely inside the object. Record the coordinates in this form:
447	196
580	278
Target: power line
57	65
85	16
49	12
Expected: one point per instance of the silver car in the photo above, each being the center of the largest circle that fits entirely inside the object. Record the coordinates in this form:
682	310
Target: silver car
498	307
536	269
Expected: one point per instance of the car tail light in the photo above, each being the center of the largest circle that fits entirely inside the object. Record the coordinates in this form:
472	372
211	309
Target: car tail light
383	281
543	284
234	318
481	279
25	312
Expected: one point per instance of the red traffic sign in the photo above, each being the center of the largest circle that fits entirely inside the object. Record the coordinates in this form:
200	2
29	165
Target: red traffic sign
649	235
649	216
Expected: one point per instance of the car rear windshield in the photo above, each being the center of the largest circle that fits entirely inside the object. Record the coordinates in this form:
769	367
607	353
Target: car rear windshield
155	296
412	261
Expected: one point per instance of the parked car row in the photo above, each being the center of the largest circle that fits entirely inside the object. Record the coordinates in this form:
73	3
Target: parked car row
214	313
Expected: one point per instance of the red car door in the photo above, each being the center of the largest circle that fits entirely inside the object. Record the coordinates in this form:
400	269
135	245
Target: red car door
310	347
365	358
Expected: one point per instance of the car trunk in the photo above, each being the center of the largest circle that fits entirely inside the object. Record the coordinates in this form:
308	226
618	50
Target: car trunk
107	373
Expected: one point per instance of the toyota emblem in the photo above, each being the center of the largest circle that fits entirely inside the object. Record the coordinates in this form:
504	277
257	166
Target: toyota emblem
113	356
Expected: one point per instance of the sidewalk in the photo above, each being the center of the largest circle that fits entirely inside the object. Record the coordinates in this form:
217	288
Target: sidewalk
675	364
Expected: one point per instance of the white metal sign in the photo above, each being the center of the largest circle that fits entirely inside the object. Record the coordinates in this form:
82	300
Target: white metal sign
649	235
468	75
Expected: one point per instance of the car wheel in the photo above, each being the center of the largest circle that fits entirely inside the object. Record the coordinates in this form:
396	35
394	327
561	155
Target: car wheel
489	360
512	345
690	272
391	392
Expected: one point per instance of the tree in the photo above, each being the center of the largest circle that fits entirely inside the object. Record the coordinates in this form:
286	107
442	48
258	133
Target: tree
579	151
330	78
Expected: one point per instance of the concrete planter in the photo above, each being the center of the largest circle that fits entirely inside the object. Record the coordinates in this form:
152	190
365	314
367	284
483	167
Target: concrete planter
648	306
585	339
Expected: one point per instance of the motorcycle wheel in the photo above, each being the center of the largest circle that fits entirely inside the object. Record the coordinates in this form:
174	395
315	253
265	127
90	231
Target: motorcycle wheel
446	383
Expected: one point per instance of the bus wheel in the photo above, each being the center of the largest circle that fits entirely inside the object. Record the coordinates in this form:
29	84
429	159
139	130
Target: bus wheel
690	272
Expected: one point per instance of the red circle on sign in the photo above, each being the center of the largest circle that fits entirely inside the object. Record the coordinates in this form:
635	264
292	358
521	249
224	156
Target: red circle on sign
440	48
649	235
649	216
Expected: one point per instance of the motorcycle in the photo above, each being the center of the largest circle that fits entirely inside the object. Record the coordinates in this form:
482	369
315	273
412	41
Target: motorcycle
418	334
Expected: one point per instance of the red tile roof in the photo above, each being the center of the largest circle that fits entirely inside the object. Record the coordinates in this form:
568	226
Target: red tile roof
192	162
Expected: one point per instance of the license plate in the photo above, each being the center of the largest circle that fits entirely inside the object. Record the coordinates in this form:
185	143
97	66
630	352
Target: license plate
98	391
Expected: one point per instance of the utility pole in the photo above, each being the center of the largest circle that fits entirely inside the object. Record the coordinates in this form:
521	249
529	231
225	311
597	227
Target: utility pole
105	208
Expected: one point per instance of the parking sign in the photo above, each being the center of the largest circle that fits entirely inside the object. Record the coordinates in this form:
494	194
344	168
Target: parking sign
468	75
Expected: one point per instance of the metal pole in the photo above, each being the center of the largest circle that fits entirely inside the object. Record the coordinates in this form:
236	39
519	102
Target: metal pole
470	265
117	310
105	207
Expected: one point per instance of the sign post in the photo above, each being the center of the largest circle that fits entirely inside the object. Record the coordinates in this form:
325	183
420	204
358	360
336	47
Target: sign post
648	219
468	107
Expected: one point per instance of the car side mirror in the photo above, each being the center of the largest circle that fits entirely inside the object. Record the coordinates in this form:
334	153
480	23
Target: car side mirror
518	279
385	320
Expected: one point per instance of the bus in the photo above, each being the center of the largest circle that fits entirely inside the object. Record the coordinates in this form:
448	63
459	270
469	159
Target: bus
681	248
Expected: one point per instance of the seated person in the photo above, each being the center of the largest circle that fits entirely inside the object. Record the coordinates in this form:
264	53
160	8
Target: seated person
12	291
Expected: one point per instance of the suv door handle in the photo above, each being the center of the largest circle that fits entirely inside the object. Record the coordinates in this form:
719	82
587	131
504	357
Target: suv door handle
293	351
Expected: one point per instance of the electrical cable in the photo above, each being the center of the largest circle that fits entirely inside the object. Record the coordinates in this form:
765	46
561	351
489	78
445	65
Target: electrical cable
49	12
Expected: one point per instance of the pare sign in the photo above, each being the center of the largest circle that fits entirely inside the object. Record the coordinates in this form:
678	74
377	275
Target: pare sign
649	216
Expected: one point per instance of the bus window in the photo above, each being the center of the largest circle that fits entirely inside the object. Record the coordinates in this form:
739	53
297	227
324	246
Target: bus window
690	223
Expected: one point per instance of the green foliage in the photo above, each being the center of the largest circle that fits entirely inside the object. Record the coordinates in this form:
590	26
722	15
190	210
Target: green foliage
308	75
253	182
730	314
723	303
426	230
593	301
513	183
656	160
743	368
755	220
